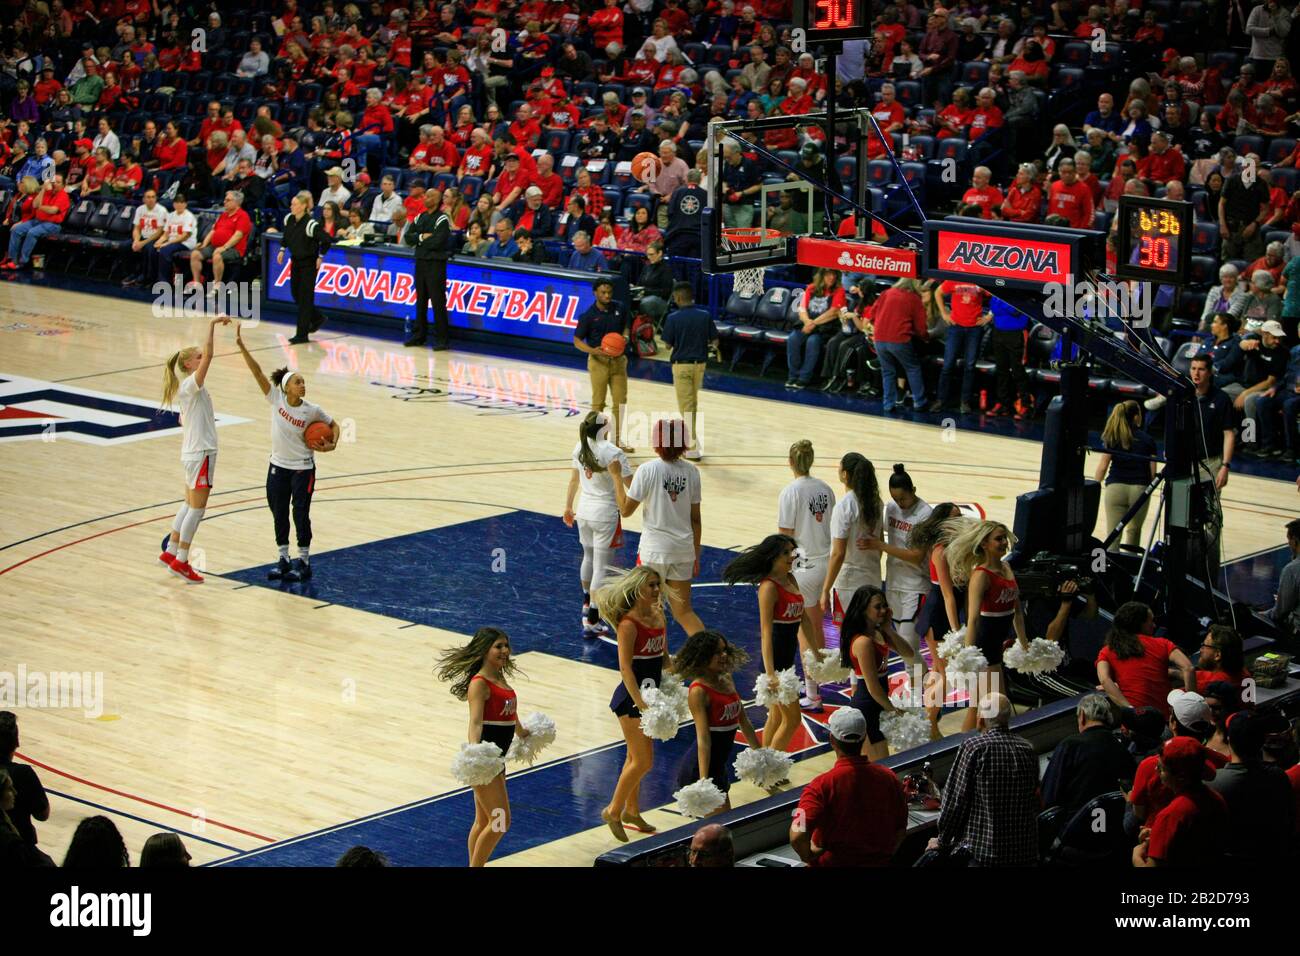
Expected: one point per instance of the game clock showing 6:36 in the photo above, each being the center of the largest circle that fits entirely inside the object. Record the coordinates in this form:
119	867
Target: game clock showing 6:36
1154	239
833	20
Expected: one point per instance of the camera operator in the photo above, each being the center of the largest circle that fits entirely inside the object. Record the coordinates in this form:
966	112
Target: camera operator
1049	615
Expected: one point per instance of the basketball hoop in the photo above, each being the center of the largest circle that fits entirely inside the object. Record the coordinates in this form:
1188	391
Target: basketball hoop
747	282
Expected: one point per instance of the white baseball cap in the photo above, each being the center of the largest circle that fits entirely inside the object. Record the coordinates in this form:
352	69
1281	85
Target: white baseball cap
847	725
1190	708
1274	328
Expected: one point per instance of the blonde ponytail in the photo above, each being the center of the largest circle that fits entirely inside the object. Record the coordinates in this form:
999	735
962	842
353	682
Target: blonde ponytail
171	381
801	456
1118	432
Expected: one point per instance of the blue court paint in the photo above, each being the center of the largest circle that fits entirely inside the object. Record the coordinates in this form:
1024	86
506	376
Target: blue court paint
187	834
445	578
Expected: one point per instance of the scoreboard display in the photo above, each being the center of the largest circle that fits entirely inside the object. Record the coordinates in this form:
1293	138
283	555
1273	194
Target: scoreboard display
1154	240
833	20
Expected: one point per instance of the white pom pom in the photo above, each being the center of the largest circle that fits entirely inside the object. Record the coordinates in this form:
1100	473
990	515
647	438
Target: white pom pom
1040	657
699	799
823	667
663	708
904	730
671	686
477	764
787	689
961	658
541	733
763	767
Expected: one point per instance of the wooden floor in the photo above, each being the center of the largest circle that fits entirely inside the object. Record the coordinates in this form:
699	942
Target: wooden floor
250	717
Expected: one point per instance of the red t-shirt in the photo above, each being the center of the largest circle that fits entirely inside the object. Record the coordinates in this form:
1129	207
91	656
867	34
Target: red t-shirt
52	197
815	305
855	812
1149	790
1024	204
507	183
988	199
171	155
227	225
967	302
1144	680
552	188
981	121
1072	202
476	161
1205	678
526	134
1189	832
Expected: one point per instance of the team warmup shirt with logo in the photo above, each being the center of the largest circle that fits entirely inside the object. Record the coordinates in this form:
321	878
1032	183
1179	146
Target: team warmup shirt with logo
1074	202
967	302
198	421
666	491
182	224
150	220
861	565
903	575
288	447
805	505
598	502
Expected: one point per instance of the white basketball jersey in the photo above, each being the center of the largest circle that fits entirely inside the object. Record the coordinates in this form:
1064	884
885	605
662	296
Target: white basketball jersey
861	564
900	574
288	447
198	421
598	502
805	505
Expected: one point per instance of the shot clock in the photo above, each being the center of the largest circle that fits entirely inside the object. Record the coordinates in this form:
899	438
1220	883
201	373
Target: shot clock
1154	239
833	20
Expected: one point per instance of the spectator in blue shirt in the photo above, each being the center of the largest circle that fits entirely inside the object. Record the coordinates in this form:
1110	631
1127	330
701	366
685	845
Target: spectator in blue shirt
39	165
504	245
742	182
290	175
585	258
1226	355
1105	117
1008	347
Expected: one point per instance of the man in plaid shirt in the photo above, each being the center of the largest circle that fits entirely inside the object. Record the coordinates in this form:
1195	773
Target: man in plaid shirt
990	801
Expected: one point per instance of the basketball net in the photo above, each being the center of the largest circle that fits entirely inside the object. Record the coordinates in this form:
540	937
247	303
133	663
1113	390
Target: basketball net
747	282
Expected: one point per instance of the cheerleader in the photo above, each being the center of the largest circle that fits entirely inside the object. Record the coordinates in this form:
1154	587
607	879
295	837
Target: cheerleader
670	533
198	447
631	604
855	522
780	614
943	606
477	673
707	660
803	513
976	553
597	464
867	635
291	475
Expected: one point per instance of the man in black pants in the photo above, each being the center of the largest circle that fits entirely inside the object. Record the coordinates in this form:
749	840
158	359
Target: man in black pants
306	241
429	235
1008	347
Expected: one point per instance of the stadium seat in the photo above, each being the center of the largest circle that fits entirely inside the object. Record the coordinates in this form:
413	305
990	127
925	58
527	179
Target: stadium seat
914	175
470	188
976	73
556	141
614	199
772	314
925	146
1075	54
1227	60
1069	78
1248	144
880	172
1203	270
634	201
1205	238
741	309
1109	58
908	93
1286	179
444	181
1082	844
1181	360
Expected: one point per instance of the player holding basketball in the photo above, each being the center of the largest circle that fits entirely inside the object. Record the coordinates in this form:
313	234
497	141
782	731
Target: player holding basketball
854	522
976	554
803	513
478	673
198	447
631	602
707	660
597	464
866	638
602	333
780	613
670	532
291	476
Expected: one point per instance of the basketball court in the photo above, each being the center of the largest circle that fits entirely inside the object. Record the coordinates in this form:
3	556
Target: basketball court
277	724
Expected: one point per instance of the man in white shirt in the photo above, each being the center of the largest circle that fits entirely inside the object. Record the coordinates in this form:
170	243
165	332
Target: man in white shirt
334	190
108	139
149	224
387	202
178	235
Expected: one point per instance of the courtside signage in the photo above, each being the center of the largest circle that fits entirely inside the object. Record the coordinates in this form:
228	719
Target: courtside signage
857	257
1006	258
479	297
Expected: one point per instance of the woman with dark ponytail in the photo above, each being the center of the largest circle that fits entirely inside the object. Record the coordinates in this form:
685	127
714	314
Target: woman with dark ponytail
477	673
291	476
905	582
856	520
867	637
597	464
780	613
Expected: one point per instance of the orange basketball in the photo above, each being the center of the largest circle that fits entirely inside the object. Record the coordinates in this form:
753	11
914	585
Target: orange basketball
317	434
646	167
613	344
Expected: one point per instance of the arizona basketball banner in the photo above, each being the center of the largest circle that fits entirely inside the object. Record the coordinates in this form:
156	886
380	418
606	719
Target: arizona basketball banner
487	295
1005	256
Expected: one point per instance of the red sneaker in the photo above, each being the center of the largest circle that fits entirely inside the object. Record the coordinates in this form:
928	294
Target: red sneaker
9	265
167	558
183	569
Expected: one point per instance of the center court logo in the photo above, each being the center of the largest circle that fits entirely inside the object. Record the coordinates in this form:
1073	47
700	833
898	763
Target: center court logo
67	690
76	909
